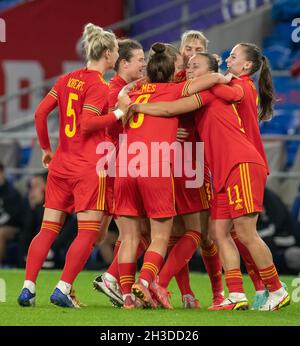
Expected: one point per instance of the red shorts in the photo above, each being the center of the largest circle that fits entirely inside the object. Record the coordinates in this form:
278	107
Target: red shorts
243	192
109	198
189	200
145	196
80	193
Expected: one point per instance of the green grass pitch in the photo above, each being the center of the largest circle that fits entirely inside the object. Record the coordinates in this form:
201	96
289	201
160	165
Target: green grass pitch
99	312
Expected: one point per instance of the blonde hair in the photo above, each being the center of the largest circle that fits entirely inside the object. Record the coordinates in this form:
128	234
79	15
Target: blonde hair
194	35
96	41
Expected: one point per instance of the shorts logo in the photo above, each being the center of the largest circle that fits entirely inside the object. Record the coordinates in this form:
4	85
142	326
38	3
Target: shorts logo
238	207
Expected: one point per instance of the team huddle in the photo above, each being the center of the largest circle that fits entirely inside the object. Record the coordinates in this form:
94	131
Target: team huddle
174	102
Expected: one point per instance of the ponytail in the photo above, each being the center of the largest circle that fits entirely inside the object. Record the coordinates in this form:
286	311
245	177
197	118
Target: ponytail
266	92
265	84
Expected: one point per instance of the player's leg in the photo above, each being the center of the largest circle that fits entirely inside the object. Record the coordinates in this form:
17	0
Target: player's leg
108	282
189	202
58	202
127	255
246	187
38	251
89	203
78	253
230	259
261	293
159	203
183	250
209	250
211	259
129	208
245	227
183	276
153	260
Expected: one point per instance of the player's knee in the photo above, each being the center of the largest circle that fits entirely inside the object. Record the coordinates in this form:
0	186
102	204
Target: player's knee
246	238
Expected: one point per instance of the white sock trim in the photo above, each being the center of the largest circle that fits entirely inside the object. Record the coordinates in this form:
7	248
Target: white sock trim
64	287
30	285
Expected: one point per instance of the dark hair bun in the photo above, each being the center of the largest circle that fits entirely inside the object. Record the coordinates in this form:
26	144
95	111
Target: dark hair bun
158	48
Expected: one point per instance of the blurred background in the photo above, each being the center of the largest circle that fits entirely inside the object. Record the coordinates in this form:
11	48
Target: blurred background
39	40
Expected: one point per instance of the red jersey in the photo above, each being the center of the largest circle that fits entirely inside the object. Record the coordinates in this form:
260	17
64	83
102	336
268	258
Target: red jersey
79	95
148	129
225	141
247	109
115	86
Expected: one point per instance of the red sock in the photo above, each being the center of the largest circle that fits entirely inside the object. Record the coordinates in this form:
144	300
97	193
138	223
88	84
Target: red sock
270	278
143	246
180	255
39	248
151	266
127	276
80	249
183	281
183	276
213	267
113	268
234	280
117	247
249	263
172	242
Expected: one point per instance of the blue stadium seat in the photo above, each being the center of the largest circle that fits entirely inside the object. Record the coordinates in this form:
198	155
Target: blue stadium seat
285	9
224	55
283	122
291	150
25	156
281	34
279	56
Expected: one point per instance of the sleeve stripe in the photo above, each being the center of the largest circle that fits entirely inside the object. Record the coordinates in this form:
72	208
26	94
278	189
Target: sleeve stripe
198	98
185	90
53	93
92	108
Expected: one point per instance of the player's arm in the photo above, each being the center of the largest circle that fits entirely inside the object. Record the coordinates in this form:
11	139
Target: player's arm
48	104
205	82
165	108
92	122
92	118
229	93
